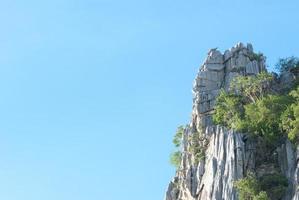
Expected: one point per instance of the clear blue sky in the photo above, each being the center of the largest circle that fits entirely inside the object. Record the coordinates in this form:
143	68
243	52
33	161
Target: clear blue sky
93	90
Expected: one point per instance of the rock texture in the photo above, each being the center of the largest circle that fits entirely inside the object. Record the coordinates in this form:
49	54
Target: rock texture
228	154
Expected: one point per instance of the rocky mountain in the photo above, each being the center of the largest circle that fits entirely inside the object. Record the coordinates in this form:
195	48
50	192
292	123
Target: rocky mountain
228	155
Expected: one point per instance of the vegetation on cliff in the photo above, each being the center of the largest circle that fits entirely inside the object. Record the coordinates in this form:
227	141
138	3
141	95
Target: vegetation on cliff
264	188
176	156
254	107
290	117
196	148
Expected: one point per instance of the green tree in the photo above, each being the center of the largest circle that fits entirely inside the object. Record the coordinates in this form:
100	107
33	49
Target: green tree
285	64
253	87
274	184
261	196
228	110
197	147
176	156
248	187
177	139
262	117
269	186
258	112
290	118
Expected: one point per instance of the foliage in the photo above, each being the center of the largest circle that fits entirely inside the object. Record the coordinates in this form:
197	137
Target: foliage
253	87
285	64
248	187
269	186
295	93
176	156
196	147
253	108
290	117
228	110
261	196
261	117
177	139
274	184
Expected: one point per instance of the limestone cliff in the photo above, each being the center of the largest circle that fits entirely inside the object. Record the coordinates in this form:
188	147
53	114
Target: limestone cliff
228	154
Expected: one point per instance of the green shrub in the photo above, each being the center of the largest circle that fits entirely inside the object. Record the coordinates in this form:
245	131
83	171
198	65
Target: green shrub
262	117
275	185
255	110
228	110
197	147
177	139
248	187
258	118
269	186
252	87
175	158
261	196
290	117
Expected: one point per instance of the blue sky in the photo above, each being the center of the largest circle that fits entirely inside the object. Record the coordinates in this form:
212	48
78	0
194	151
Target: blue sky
92	90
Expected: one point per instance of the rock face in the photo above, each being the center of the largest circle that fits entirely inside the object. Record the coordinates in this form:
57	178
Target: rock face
228	154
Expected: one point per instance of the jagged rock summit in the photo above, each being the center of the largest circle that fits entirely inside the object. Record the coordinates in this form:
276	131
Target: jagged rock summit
229	155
